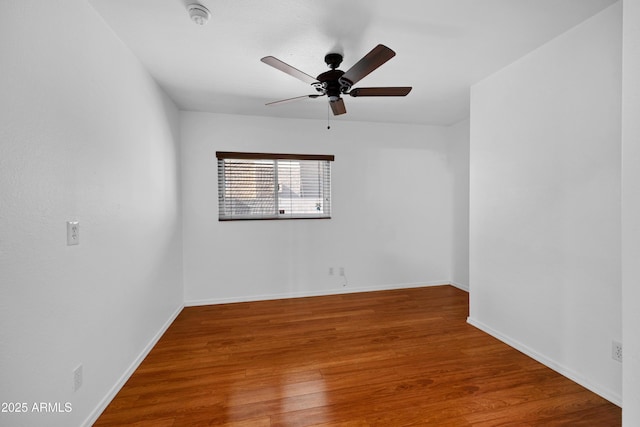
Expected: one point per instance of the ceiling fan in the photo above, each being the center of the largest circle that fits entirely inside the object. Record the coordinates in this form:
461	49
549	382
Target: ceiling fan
334	83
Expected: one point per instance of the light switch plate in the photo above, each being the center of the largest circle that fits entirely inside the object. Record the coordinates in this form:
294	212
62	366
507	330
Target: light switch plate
73	233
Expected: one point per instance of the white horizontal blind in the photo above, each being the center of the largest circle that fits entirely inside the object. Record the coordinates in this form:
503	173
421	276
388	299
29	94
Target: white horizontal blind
246	188
304	188
271	187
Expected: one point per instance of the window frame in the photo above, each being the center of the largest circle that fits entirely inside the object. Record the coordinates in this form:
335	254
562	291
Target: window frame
275	157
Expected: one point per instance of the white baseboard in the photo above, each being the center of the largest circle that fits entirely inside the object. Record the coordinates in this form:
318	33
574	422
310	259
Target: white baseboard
334	291
93	417
612	397
460	286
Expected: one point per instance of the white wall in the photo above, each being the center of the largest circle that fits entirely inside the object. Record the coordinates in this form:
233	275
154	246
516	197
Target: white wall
86	135
631	213
545	203
458	144
391	208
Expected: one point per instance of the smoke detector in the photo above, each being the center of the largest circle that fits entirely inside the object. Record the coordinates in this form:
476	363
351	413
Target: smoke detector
198	13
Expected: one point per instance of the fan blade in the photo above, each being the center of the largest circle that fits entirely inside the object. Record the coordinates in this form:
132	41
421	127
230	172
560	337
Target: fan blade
338	107
372	60
292	71
284	101
381	91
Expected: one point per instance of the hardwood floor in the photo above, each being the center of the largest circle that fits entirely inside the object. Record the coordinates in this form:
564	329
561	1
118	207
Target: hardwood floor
391	358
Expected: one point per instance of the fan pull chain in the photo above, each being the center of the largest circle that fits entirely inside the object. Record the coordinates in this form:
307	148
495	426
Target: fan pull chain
328	115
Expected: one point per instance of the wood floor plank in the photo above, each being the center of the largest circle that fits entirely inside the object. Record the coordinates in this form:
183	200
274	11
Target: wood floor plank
391	358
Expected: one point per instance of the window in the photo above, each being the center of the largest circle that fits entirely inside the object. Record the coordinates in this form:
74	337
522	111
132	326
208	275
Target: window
273	186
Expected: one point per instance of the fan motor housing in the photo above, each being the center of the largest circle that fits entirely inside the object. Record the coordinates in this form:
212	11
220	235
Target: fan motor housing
331	83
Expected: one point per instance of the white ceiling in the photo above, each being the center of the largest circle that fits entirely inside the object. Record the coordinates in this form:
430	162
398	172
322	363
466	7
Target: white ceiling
442	46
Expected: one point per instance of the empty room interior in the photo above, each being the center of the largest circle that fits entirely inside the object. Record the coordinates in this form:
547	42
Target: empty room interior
447	231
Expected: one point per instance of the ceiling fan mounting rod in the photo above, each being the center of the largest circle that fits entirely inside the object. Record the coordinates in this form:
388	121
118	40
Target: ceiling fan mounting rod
333	60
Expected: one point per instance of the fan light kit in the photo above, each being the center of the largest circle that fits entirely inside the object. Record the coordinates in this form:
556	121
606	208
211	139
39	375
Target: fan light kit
199	14
334	82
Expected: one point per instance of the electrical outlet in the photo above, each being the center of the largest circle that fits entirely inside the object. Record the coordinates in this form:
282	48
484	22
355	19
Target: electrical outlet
77	378
616	351
342	271
73	233
330	271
